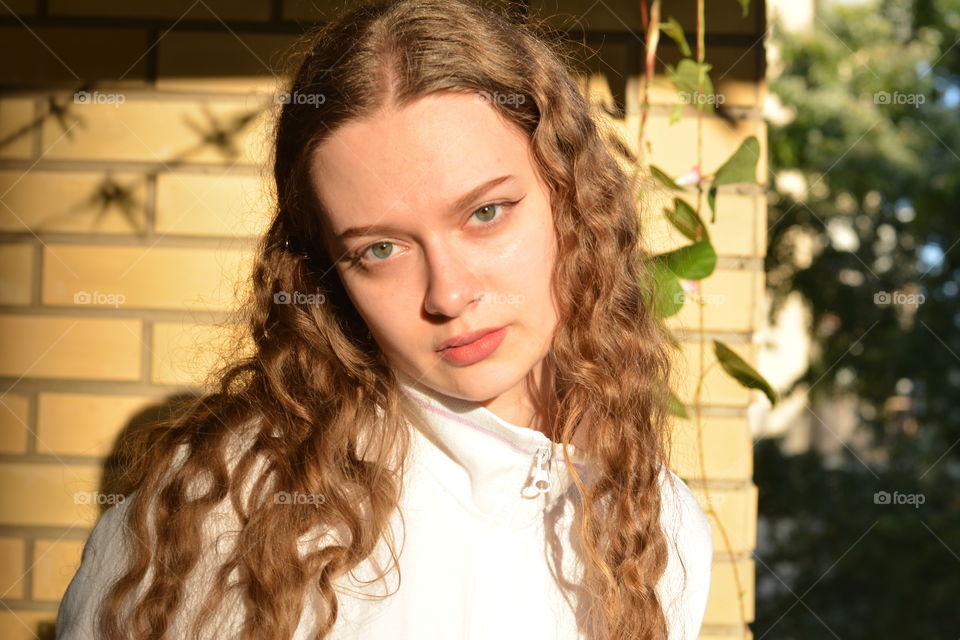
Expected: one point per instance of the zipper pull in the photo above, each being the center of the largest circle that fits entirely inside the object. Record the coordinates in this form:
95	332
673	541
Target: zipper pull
541	476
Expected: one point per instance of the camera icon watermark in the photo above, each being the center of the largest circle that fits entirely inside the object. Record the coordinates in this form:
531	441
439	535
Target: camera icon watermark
499	98
98	97
298	297
887	298
98	297
885	497
286	97
885	97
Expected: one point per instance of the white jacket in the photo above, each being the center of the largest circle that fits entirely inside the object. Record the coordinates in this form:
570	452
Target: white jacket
483	553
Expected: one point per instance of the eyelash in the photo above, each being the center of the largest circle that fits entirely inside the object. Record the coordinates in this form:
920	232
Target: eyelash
357	258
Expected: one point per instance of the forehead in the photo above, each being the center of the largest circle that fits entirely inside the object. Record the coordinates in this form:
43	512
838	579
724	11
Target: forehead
419	157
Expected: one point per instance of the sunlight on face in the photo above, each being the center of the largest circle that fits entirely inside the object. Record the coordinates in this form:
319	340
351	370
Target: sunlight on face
443	259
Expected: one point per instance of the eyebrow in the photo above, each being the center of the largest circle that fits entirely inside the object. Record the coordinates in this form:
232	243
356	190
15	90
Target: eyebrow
461	203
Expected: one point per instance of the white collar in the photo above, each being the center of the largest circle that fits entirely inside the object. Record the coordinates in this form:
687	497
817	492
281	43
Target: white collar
487	463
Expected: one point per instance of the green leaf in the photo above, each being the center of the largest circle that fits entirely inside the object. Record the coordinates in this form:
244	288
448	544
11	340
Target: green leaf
673	29
675	114
686	220
742	372
675	406
664	179
668	294
745	5
692	79
741	166
692	262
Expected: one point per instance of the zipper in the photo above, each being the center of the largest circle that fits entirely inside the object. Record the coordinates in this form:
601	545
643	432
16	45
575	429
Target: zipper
541	473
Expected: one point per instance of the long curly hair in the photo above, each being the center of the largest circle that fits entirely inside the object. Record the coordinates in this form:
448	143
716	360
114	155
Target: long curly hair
315	408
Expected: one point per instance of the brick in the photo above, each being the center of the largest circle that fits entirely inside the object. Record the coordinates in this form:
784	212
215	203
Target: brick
48	55
18	624
129	277
73	201
673	146
55	563
728	298
50	494
16	274
11	567
164	131
207	204
727	448
736	511
16	130
719	388
184	353
83	424
739	229
724	602
14	410
243	62
208	10
89	348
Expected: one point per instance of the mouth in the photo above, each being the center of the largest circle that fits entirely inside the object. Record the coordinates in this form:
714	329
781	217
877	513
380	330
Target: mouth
481	346
467	338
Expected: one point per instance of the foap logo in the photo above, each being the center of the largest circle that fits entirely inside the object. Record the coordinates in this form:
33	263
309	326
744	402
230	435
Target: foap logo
295	497
499	98
698	98
286	97
95	497
97	97
885	497
298	297
492	297
899	298
699	298
885	97
99	297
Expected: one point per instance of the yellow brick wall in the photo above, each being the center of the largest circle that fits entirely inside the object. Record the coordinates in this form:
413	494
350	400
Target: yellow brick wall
125	230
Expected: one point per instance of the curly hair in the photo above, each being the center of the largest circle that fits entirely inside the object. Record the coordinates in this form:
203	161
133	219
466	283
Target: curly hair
314	407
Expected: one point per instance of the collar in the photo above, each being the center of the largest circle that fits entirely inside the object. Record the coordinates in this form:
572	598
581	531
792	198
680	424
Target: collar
500	472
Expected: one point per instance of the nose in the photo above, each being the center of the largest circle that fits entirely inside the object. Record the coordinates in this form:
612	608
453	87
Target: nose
453	282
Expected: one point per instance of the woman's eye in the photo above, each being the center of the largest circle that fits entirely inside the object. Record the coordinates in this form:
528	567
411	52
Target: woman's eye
380	251
487	211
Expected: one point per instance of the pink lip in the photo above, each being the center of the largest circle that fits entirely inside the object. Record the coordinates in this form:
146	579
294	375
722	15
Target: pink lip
466	338
472	352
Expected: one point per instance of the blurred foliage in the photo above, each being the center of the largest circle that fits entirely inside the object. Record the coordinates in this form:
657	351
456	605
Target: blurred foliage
863	225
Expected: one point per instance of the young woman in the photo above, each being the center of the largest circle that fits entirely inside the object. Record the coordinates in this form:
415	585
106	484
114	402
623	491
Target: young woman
452	423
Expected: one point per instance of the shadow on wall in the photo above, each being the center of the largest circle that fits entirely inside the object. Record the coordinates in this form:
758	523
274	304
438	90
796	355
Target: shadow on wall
121	473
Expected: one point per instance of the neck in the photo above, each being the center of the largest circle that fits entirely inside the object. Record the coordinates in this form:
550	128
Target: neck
529	403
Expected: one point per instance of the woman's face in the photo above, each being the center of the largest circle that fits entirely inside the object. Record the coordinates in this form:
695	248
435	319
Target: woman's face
450	254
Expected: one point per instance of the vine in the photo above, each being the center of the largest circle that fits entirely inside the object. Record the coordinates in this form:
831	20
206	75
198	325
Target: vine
683	269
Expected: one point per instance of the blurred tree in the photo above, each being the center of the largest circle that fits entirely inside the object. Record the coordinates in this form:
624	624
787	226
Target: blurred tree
863	226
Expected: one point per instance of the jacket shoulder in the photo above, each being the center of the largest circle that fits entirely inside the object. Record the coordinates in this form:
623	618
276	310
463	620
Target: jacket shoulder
101	563
685	584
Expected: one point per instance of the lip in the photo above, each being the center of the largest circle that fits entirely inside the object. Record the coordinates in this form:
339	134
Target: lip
473	352
467	338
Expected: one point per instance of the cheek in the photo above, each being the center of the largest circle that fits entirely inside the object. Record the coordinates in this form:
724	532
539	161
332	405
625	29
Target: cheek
525	263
